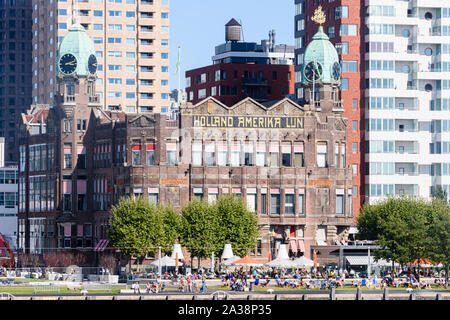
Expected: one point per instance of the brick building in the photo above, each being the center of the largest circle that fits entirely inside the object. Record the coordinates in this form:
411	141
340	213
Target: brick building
287	161
263	72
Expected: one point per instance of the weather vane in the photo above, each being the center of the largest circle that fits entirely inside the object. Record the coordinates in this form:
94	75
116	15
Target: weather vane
319	16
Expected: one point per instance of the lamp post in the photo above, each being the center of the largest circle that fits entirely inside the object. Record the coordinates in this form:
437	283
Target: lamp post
159	263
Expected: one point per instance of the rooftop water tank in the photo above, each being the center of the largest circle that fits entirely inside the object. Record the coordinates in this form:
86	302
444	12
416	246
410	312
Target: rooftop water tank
233	31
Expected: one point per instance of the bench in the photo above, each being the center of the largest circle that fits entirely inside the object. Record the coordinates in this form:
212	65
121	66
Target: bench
47	289
97	287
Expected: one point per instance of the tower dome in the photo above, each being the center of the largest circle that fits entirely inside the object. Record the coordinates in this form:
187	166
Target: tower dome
76	53
321	60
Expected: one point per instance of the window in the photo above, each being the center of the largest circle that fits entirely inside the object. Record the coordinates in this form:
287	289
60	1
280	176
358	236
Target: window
340	201
136	155
67	202
251	200
349	30
298	155
171	153
248	154
212	195
341	12
274	155
301	202
222	154
260	154
197	153
263	203
235	155
321	155
81	161
210	154
275	202
289	203
67	156
198	192
153	196
286	154
150	154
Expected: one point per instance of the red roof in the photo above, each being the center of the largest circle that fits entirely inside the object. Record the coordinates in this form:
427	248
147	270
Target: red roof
247	260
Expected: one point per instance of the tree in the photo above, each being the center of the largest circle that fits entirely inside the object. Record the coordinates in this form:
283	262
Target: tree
199	228
136	228
172	224
236	225
398	225
438	239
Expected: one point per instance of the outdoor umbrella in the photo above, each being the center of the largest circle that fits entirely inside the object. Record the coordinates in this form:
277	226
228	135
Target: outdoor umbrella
229	261
303	262
166	261
282	260
247	261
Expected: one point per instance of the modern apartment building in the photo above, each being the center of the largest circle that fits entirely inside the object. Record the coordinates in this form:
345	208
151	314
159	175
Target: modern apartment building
395	60
8	197
15	70
343	27
131	40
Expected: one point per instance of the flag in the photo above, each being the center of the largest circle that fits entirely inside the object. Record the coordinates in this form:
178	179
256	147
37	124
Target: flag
315	259
178	61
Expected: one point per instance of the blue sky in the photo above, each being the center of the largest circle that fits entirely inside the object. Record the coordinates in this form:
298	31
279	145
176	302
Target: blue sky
199	25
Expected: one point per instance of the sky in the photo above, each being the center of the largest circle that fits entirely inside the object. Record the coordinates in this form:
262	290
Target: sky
198	26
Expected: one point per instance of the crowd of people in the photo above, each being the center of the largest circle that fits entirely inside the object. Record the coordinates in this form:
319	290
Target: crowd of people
240	280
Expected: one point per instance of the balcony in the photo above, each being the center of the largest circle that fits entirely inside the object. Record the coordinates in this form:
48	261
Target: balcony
255	82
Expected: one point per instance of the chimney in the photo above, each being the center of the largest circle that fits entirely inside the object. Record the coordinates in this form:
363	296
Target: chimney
2	152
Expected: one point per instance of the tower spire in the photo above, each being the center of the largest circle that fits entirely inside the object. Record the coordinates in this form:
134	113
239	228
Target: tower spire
319	16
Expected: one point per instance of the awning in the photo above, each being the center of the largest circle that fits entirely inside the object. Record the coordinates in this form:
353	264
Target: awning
358	260
293	245
101	245
363	261
301	245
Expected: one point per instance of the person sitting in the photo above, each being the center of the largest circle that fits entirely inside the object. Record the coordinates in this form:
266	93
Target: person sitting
265	284
155	287
364	282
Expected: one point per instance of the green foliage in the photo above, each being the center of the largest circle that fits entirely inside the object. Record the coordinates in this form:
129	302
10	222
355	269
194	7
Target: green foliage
236	225
136	227
438	237
398	225
172	225
198	228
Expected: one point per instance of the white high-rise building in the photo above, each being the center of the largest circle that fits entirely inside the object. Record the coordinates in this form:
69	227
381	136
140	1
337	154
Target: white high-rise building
407	97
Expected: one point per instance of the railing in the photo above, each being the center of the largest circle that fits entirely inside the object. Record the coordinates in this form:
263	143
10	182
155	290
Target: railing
255	82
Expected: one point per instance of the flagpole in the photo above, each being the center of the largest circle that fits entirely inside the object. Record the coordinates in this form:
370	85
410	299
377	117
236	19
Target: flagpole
179	68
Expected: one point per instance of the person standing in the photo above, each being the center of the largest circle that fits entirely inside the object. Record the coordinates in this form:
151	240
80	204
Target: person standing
203	284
